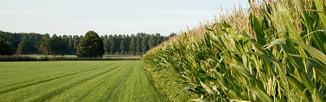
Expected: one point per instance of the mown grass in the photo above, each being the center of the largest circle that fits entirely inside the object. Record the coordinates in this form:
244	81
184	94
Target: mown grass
275	52
66	58
75	81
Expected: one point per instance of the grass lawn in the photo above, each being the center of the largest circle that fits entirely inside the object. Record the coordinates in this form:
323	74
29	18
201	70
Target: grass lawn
91	81
74	56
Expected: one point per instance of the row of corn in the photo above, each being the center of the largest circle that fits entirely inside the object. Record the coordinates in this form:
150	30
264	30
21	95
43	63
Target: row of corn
273	52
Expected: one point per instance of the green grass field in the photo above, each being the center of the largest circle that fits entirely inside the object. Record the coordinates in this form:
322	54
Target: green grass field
74	56
90	81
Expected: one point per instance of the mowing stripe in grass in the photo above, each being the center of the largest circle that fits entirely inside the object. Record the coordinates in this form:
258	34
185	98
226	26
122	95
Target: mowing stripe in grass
114	81
90	90
80	92
143	81
55	68
24	85
35	91
13	68
61	89
113	90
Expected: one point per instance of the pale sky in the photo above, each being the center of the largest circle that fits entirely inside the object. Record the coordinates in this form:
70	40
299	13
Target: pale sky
108	16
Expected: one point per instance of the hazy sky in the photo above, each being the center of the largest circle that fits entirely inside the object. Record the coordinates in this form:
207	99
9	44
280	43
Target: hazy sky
108	16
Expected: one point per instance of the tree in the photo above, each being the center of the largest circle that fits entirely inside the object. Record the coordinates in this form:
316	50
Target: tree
90	46
54	45
27	43
138	43
111	43
122	44
67	45
76	40
64	43
144	43
126	44
106	42
6	48
119	40
132	46
22	47
44	45
158	39
70	46
151	41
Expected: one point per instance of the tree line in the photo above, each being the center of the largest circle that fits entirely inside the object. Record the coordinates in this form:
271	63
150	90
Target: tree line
117	44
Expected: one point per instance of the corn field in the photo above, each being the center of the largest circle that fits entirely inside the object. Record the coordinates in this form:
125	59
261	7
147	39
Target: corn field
274	52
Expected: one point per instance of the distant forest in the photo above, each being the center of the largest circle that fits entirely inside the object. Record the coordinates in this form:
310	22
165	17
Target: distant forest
134	44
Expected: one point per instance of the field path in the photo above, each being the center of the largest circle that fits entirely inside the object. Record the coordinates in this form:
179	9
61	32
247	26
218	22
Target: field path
75	81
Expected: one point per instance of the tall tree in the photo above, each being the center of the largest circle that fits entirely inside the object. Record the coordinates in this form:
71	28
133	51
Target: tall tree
144	43
106	43
90	46
113	44
122	46
119	40
6	48
126	44
132	46
54	45
44	45
139	43
157	39
76	40
70	46
22	47
151	41
64	43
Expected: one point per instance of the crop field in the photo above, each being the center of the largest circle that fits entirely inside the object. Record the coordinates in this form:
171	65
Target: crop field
272	52
91	81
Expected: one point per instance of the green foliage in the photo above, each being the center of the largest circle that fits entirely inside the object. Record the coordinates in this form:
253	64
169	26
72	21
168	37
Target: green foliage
144	43
113	44
6	48
278	54
67	45
57	45
90	46
123	46
22	47
132	46
76	81
44	44
31	40
27	44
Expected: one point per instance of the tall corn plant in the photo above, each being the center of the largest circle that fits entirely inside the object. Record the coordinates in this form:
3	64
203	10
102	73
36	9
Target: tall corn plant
280	56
